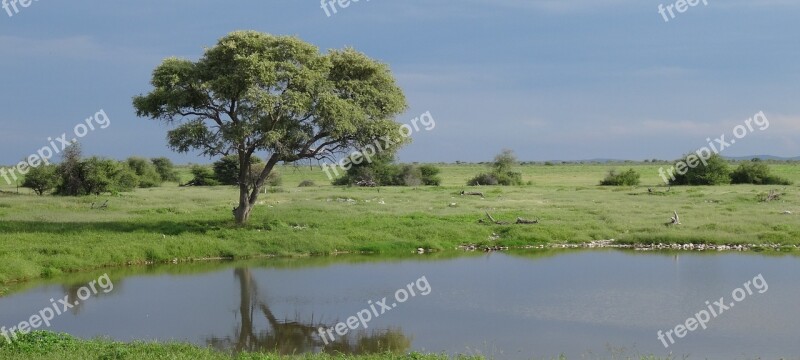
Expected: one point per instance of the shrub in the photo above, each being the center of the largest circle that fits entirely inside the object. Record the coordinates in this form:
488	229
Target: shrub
714	172
202	176
483	179
756	172
382	171
226	170
103	175
409	175
165	169
146	171
41	179
307	183
625	178
510	178
501	174
93	176
430	175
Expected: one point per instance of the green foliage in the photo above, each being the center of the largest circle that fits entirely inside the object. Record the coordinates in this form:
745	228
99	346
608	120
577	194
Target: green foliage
146	171
430	175
502	172
343	99
41	179
625	178
714	172
202	176
226	170
504	162
383	171
483	179
75	176
100	176
70	171
757	173
165	169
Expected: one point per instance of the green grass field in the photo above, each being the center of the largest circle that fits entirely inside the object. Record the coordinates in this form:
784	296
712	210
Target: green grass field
45	236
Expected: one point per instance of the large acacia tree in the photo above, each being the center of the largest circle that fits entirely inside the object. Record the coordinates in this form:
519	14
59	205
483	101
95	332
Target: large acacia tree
274	95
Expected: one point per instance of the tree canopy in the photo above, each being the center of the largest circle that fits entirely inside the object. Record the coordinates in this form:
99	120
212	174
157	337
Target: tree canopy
278	95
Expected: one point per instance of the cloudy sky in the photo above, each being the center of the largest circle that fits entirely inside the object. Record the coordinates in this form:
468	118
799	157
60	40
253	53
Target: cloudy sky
550	79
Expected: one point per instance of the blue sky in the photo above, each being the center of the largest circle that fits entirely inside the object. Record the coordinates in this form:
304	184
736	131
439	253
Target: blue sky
550	79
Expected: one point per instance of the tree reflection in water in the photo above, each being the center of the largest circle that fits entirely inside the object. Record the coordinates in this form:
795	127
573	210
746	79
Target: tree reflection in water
295	337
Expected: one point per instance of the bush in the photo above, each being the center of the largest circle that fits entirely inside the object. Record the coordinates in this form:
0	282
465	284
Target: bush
93	176
502	173
626	178
165	169
430	175
226	170
382	171
146	171
714	172
41	179
409	175
105	175
756	172
483	179
202	176
307	183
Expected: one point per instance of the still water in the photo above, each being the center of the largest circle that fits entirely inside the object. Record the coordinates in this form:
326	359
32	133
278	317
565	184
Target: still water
519	305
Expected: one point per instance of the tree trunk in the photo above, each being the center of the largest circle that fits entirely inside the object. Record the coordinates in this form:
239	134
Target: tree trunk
242	213
248	193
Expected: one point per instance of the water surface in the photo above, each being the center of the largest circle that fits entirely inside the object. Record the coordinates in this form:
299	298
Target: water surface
586	304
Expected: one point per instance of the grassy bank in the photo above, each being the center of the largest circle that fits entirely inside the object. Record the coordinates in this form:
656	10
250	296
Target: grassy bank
50	346
44	236
42	345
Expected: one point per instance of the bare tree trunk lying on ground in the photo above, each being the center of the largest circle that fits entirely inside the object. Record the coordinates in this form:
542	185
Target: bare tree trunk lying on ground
472	193
526	222
495	221
520	221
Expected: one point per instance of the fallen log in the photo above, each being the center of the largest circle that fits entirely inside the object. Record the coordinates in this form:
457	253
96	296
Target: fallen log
526	222
495	221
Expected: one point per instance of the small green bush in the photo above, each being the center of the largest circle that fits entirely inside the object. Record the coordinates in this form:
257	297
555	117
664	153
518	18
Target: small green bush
715	171
625	178
165	169
756	173
41	179
501	174
202	176
483	179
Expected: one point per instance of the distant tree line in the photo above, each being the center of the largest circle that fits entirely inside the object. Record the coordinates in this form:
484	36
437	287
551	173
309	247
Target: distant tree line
716	170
